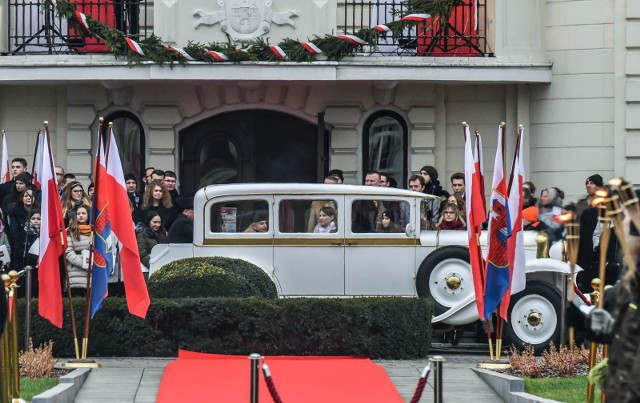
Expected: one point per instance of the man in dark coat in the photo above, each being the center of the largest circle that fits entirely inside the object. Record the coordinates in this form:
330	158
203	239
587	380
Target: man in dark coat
181	230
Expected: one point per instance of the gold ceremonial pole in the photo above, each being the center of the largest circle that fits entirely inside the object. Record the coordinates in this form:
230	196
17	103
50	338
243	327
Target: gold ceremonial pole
6	356
573	240
13	293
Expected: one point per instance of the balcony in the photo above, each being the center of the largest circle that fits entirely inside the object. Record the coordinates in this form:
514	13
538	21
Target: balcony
34	28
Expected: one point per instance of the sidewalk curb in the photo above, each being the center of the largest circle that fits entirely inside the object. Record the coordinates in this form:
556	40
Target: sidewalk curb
66	390
509	388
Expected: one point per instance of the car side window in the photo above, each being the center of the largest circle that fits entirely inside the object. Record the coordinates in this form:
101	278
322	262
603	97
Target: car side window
307	216
379	216
242	216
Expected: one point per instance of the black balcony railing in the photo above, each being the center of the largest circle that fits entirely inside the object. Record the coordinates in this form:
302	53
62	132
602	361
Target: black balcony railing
462	34
34	28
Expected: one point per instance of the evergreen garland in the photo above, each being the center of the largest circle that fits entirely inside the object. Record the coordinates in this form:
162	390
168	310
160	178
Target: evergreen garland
333	48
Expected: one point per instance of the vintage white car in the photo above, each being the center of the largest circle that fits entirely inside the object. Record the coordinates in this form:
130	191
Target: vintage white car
359	257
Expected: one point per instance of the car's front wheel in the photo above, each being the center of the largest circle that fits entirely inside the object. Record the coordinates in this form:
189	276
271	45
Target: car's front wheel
534	317
445	276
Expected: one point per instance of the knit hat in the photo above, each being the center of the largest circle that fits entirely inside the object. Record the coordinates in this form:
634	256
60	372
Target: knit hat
338	173
24	177
130	177
597	179
388	214
530	214
431	171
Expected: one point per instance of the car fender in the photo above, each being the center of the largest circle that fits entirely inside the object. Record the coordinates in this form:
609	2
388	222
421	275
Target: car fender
550	265
463	313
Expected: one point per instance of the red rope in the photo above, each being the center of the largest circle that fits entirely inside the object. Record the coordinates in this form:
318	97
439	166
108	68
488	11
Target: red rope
581	295
419	389
270	385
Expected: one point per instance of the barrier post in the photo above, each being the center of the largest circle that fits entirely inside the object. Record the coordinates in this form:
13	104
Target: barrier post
437	380
255	374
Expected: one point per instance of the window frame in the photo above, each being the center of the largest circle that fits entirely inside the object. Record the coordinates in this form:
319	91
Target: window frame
366	138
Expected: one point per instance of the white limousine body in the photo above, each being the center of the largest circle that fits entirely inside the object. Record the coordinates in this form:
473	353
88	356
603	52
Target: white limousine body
359	258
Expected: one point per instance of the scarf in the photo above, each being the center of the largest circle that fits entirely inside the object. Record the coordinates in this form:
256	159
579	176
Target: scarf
84	229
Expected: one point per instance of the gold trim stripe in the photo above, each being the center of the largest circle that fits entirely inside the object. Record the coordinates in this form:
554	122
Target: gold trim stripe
353	242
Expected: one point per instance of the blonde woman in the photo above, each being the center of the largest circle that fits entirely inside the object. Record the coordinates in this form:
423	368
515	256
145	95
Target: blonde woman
72	197
450	218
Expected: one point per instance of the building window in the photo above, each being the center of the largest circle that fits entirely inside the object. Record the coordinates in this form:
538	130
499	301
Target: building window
385	146
129	135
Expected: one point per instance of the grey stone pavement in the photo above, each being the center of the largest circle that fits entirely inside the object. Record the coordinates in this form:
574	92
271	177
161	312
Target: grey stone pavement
136	380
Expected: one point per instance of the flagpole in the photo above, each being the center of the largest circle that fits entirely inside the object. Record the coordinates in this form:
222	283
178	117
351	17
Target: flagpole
35	153
499	319
64	261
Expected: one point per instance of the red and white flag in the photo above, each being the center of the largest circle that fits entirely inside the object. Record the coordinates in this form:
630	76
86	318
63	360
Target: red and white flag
82	20
277	50
5	173
313	49
53	239
479	165
219	56
474	223
182	53
122	226
515	247
134	46
352	39
382	28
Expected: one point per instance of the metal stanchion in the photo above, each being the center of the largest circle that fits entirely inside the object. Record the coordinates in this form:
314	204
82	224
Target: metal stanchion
255	376
437	378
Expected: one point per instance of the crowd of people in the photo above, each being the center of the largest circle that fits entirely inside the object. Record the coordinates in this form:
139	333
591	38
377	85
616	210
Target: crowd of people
158	212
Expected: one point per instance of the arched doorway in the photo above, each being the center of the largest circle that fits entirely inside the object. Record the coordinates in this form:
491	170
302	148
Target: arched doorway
252	146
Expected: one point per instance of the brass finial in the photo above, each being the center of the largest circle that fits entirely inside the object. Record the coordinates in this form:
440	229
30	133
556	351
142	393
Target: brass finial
465	124
503	124
520	126
101	120
111	125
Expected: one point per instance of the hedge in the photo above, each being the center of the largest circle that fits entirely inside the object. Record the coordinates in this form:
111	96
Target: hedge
387	328
211	277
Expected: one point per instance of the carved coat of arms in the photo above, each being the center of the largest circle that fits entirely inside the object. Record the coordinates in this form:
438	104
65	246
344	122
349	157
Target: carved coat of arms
244	20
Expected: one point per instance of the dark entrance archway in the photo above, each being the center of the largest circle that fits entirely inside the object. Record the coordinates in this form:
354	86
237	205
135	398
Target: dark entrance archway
252	146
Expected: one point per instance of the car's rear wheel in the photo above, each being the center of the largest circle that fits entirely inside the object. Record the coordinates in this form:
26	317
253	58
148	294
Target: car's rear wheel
534	317
445	276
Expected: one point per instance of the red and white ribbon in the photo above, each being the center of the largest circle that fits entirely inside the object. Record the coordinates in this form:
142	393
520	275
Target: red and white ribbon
416	17
181	52
352	39
382	28
82	20
221	57
134	46
277	50
313	49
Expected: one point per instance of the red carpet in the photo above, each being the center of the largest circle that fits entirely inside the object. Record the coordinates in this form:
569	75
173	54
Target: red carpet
198	377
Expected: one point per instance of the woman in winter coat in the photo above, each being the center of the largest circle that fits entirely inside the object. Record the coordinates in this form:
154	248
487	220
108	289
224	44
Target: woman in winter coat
549	206
79	237
149	234
21	256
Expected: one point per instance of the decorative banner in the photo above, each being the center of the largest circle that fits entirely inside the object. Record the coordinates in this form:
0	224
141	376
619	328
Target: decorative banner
354	40
82	20
181	52
277	50
313	49
221	57
416	17
382	28
135	46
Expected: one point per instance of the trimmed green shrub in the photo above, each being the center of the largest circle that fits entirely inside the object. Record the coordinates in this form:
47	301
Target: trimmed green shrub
211	277
389	328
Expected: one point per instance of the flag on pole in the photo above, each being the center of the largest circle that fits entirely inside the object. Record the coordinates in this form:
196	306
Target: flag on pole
475	218
479	165
53	239
102	246
517	261
497	271
5	173
122	227
37	160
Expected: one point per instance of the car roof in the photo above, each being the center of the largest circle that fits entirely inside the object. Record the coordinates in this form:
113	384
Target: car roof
243	189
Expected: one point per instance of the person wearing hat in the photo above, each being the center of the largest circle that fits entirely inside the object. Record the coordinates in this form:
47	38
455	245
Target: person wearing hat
587	216
181	230
431	182
261	223
21	182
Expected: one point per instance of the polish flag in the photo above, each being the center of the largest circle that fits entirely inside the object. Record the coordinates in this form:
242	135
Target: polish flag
134	46
416	17
5	173
82	20
313	49
479	165
352	39
182	53
382	28
53	239
475	218
123	228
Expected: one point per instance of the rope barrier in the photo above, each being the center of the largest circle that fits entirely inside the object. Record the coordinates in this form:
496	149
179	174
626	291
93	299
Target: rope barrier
270	385
421	384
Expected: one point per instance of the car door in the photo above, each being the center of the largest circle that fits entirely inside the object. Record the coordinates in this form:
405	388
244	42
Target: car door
379	261
308	263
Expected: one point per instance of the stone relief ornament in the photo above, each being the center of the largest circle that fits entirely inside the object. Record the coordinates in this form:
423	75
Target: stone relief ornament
244	20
